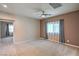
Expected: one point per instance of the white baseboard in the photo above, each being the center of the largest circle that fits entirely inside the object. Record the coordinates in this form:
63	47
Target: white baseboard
71	45
67	44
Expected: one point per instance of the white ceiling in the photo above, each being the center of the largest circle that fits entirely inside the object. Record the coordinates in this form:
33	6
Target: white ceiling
33	9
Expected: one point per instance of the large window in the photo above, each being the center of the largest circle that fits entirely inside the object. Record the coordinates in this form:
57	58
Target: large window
53	27
11	28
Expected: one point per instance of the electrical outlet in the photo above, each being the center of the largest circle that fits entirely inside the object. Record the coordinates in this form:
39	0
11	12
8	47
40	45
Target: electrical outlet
67	40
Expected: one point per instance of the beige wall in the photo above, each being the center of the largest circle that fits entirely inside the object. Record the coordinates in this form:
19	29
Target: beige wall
24	28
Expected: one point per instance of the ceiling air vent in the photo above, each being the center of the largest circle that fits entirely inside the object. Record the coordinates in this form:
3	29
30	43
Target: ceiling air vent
55	5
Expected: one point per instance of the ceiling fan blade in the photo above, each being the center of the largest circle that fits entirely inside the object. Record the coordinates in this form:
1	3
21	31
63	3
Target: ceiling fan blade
41	13
37	9
47	14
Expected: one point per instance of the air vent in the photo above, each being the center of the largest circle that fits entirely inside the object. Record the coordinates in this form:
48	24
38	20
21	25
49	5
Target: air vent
55	5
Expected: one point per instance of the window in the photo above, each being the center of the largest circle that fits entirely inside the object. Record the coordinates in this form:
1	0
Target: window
10	28
50	28
53	27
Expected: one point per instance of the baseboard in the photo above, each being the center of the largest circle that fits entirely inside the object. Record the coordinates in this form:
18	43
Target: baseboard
71	45
23	41
66	44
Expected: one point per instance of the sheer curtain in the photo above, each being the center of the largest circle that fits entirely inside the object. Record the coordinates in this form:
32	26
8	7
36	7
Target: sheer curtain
53	30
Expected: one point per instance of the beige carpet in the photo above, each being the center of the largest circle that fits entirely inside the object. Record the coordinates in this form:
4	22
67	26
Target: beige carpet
37	48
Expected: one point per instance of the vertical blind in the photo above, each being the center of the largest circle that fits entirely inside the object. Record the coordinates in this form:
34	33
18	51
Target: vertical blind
53	27
55	31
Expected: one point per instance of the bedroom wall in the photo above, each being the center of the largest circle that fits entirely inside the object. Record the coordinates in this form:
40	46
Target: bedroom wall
71	26
0	29
42	28
25	29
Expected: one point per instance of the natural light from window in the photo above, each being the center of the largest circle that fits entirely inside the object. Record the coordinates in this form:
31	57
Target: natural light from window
11	28
53	27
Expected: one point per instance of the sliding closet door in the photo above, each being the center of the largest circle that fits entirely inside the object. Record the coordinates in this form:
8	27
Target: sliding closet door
53	31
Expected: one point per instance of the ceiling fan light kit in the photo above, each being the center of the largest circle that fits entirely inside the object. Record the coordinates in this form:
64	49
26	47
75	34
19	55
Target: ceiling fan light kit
43	16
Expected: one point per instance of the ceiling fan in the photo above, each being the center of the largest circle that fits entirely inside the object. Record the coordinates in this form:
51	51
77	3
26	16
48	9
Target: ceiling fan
53	5
43	15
